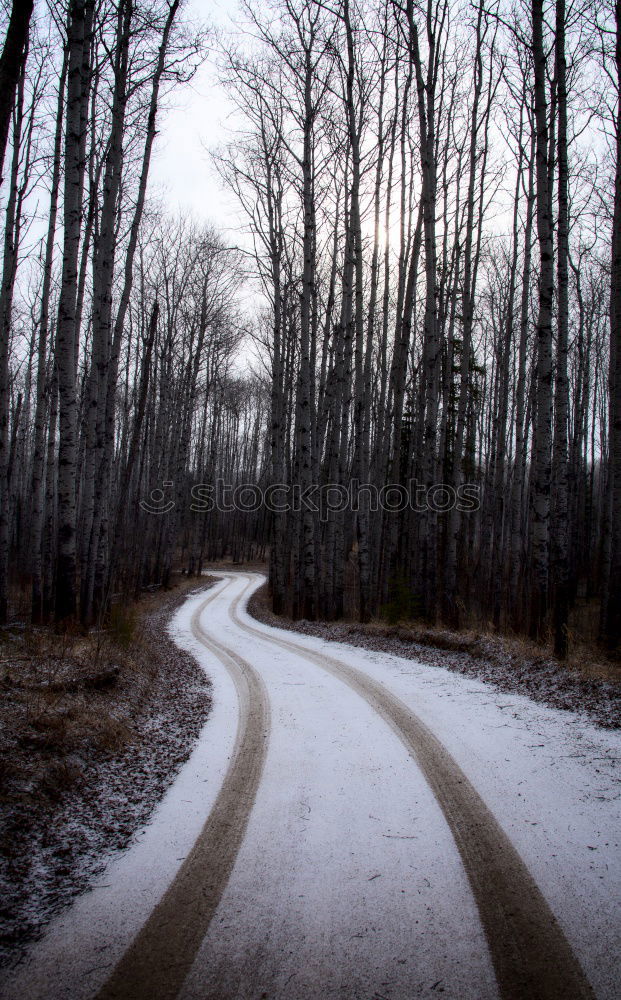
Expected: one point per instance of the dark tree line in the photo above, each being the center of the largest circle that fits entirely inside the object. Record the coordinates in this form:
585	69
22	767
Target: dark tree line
119	324
433	202
433	191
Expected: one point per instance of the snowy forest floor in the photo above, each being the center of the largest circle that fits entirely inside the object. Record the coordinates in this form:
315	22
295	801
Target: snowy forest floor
93	730
512	665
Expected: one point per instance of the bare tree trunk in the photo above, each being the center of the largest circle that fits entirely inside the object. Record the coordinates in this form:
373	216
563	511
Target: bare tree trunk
426	87
518	531
303	403
103	276
11	64
38	461
610	628
361	397
277	415
66	360
560	508
9	272
451	581
51	495
542	455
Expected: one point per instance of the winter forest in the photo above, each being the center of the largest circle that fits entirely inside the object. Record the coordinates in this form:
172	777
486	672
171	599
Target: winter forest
398	385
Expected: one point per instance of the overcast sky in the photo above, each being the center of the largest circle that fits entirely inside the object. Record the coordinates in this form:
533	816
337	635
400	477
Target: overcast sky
195	122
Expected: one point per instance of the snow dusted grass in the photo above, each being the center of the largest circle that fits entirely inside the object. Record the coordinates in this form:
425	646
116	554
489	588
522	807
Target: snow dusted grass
511	664
93	730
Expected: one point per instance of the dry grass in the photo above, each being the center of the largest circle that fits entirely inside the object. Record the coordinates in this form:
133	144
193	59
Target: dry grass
584	656
71	694
78	714
586	683
52	708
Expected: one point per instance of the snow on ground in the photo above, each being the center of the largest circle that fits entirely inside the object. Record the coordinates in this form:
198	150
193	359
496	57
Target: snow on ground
83	943
83	767
509	664
348	882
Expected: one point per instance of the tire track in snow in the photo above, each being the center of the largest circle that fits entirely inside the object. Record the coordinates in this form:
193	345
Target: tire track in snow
531	956
159	959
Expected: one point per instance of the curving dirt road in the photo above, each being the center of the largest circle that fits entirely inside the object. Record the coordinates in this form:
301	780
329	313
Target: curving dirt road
531	956
377	831
159	958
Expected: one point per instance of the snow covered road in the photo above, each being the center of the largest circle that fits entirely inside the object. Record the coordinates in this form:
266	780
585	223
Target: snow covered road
355	825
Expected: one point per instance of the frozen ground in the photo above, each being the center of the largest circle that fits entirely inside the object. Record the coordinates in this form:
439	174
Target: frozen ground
510	665
55	836
348	882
